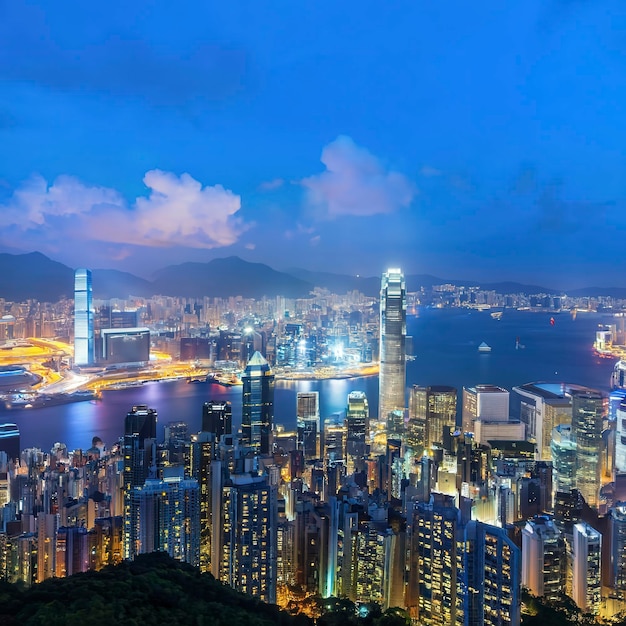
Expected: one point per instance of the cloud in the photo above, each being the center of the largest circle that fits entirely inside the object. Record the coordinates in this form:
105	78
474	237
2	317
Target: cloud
178	211
270	185
355	183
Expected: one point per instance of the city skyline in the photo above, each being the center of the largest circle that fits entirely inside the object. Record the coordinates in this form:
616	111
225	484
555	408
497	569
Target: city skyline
439	139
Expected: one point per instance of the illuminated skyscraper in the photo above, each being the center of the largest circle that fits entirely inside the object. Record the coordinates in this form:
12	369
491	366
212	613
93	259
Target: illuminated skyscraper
587	578
357	426
83	318
308	422
258	404
542	558
247	536
139	457
588	413
392	377
431	409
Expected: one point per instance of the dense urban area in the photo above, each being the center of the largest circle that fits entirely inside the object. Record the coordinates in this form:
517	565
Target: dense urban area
442	519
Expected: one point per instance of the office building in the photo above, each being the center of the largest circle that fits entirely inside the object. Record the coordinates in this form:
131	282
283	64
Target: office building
217	418
258	405
357	431
432	411
490	577
433	595
541	407
563	452
587	571
484	402
308	423
168	518
125	346
392	376
542	558
139	462
588	413
247	536
83	318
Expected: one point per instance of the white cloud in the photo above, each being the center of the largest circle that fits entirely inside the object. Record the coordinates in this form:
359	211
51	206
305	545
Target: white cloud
271	185
178	211
355	183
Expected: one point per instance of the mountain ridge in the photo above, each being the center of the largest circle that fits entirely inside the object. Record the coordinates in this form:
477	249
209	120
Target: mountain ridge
33	275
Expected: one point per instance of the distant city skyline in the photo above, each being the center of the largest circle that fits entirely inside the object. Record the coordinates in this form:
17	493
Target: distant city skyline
473	142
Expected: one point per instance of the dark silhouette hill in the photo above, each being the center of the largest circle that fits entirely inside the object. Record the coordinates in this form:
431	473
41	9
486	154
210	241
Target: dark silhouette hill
154	589
226	277
35	276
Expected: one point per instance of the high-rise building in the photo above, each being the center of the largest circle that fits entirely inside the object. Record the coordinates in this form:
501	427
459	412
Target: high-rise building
487	403
431	410
541	407
10	440
248	536
258	405
433	589
587	573
357	430
308	423
217	418
563	451
139	458
620	437
83	318
392	377
542	558
617	536
490	577
588	413
169	518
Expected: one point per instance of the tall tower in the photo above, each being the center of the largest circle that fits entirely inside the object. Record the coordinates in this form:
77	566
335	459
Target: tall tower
139	457
357	426
308	420
588	412
258	404
83	318
392	377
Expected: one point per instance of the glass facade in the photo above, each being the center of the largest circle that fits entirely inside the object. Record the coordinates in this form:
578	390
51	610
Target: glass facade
392	378
83	318
258	404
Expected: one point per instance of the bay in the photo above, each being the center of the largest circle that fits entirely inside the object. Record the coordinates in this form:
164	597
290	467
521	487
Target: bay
446	353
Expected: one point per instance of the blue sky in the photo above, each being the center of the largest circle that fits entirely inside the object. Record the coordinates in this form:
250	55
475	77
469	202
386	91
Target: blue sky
467	140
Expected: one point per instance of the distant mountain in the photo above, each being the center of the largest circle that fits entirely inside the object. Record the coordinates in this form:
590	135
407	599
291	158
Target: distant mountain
34	275
109	284
370	286
231	276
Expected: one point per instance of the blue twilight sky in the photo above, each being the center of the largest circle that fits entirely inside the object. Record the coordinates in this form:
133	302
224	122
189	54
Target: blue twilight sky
480	140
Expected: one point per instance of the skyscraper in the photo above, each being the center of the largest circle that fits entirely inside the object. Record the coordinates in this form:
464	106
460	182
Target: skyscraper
588	412
83	318
392	378
139	457
308	422
542	558
587	578
248	536
357	426
258	404
431	409
217	418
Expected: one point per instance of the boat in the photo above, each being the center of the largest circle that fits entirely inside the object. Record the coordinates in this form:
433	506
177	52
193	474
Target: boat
483	347
497	315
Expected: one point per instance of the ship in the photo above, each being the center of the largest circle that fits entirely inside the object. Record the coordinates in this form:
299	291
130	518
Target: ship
483	347
497	315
